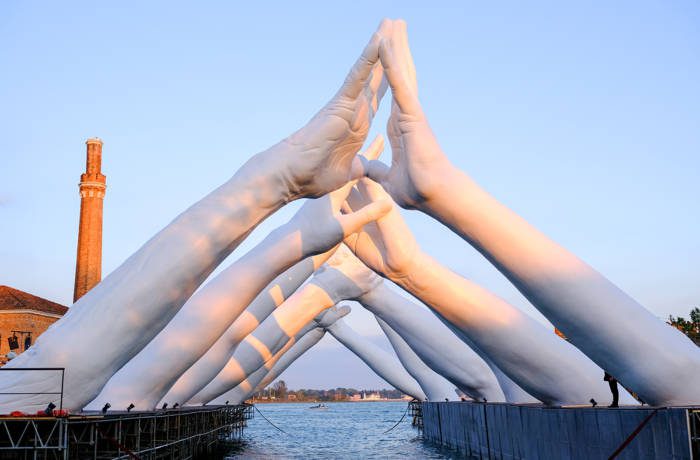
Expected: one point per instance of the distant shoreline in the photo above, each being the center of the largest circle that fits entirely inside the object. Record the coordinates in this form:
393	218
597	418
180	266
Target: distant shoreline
286	401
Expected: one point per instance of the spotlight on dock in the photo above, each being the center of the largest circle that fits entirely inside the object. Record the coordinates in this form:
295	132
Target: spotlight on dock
131	406
176	405
593	402
165	406
49	409
106	407
227	402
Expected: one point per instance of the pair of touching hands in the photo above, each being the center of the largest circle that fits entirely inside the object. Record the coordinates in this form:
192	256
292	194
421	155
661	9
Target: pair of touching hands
362	210
325	150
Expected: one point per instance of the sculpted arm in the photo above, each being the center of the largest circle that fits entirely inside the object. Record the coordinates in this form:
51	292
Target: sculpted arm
262	348
437	346
206	367
600	319
258	382
435	386
381	362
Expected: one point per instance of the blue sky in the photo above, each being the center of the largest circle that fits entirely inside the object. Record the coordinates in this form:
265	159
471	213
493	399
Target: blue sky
583	118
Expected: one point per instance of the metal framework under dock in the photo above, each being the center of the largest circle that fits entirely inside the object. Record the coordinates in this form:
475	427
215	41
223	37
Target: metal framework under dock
177	433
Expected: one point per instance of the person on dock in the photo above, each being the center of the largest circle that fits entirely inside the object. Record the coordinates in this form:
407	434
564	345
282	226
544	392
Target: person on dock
613	388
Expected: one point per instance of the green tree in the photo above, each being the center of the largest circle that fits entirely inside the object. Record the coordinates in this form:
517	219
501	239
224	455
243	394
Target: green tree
280	388
690	328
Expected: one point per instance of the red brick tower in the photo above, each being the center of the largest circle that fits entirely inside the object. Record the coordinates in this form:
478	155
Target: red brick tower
88	264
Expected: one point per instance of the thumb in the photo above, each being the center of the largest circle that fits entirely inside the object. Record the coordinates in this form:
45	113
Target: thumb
361	160
354	221
377	171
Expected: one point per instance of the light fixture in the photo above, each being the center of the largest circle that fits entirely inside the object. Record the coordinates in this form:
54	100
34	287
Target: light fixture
593	402
131	406
175	406
165	406
49	409
106	407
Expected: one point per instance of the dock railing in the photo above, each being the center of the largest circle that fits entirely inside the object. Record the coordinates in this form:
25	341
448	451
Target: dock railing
62	370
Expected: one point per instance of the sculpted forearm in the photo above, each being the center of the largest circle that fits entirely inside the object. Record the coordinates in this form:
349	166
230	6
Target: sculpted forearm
206	367
436	345
378	360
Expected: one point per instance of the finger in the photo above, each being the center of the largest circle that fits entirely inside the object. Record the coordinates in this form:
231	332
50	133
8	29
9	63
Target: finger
361	161
377	171
383	86
375	149
398	80
391	222
361	70
343	310
353	222
320	259
354	201
409	67
373	190
339	195
376	87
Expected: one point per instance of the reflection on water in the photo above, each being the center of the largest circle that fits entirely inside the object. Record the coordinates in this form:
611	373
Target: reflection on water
344	430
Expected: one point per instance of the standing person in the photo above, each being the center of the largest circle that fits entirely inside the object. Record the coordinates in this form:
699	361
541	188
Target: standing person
613	388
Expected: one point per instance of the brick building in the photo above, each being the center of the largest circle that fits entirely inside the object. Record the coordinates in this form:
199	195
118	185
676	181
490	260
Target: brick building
26	313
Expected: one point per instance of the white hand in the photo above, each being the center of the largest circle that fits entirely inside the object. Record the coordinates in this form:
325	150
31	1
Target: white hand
325	149
387	245
344	277
331	315
418	164
319	223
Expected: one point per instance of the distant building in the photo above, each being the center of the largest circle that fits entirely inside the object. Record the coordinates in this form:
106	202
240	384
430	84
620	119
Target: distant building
23	317
373	397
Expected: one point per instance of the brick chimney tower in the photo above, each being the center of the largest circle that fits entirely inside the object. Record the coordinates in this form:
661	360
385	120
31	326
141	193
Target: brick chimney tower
88	264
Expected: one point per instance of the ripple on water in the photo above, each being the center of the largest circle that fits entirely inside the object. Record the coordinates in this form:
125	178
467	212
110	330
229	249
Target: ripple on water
345	430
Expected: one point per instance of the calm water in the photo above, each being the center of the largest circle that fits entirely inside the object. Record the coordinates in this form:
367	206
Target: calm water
345	430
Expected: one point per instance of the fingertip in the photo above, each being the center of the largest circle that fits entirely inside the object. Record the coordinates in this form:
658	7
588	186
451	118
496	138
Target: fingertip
383	206
384	26
375	149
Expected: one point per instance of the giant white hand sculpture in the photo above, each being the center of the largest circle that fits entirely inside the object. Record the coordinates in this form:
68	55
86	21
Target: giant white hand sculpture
211	363
545	366
435	386
610	327
119	316
381	362
301	346
437	346
315	228
262	348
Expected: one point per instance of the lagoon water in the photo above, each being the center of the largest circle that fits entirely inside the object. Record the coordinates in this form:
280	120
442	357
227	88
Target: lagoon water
344	430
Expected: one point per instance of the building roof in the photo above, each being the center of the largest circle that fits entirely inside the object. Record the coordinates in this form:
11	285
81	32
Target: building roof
14	299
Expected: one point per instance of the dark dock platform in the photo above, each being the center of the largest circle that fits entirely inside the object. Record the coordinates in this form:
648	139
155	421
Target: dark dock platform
509	431
184	433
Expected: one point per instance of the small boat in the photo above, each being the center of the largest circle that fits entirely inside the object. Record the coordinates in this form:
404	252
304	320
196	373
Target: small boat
319	406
